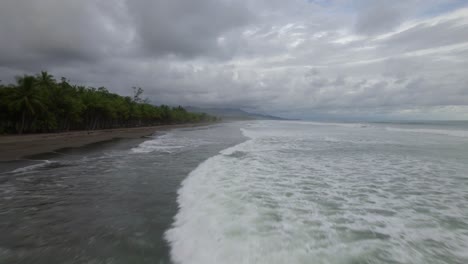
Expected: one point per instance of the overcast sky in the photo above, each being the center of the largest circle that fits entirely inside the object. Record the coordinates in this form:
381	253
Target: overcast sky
296	58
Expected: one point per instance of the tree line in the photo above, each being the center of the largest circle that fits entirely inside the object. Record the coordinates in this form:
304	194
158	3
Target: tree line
39	103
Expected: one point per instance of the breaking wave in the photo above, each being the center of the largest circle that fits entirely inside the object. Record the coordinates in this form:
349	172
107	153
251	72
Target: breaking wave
446	132
287	198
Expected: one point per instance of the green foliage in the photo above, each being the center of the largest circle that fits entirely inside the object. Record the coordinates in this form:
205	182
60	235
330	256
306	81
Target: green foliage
41	104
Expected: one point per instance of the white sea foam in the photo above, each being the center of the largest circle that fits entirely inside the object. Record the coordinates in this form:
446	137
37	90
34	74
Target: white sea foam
167	143
277	198
454	133
43	164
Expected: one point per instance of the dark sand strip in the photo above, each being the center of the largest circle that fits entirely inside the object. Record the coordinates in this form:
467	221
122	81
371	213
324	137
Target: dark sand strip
15	147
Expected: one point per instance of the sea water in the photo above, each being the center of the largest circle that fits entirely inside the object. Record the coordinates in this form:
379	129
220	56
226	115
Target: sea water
245	192
304	192
105	203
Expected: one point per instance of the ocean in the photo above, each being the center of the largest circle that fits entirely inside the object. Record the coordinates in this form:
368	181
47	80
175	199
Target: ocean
246	192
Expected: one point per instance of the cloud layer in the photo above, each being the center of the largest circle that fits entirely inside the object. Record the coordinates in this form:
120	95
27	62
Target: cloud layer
307	59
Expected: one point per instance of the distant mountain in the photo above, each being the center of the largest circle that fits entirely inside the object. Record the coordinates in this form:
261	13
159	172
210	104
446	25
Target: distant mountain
232	113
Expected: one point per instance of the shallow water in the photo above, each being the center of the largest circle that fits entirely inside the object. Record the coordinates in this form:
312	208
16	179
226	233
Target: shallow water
299	192
247	192
105	203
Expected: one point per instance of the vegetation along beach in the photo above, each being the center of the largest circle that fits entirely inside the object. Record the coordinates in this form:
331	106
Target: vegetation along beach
233	132
58	114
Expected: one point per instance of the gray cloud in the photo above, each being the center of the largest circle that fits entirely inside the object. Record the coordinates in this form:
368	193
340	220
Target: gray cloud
373	17
51	32
296	58
377	16
186	28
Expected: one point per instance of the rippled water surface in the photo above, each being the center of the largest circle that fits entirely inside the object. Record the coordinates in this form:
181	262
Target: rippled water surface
328	193
106	203
247	192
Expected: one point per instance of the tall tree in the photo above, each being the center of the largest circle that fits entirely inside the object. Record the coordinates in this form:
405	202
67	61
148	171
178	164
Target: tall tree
45	80
26	99
41	104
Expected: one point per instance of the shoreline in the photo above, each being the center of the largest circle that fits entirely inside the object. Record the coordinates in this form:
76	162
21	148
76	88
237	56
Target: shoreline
17	147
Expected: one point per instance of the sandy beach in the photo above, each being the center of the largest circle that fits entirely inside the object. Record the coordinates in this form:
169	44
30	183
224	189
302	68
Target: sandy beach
15	147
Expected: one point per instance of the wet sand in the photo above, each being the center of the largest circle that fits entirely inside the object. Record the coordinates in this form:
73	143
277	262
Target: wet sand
16	147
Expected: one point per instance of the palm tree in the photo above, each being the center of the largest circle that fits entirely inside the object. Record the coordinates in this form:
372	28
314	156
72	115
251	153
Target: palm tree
45	79
40	103
25	98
